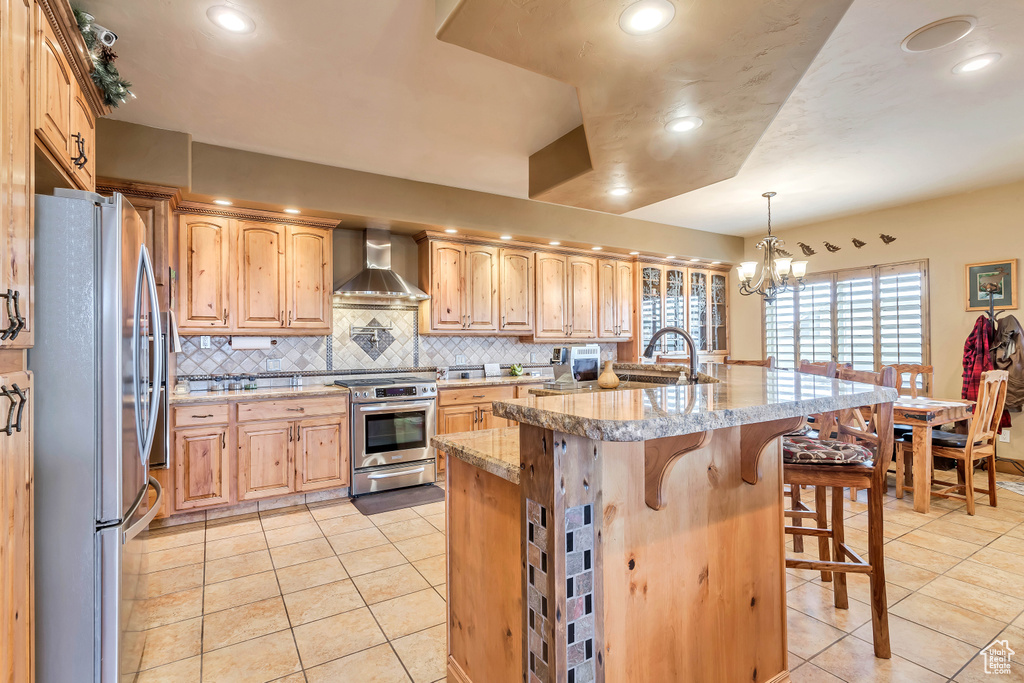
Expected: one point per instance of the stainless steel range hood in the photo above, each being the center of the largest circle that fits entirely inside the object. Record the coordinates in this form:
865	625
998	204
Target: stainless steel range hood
377	280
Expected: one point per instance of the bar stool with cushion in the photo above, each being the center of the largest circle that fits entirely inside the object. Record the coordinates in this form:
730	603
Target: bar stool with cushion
979	443
768	362
858	458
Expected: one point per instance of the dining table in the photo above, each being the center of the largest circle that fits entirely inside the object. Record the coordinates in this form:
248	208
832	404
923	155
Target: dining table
923	415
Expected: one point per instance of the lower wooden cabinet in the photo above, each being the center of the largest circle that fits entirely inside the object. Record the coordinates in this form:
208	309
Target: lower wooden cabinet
266	465
202	467
322	459
456	415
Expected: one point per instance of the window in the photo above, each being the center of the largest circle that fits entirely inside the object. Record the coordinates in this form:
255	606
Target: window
868	317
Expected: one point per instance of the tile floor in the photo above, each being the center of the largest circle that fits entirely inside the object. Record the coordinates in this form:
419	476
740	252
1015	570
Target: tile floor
321	593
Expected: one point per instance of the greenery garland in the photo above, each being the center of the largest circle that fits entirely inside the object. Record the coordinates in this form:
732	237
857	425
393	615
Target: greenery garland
104	74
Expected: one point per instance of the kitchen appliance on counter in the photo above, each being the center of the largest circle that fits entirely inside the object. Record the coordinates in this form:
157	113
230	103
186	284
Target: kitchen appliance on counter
392	421
575	364
99	369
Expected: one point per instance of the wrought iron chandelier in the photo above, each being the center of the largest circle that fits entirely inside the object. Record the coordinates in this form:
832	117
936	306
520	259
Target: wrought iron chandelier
775	267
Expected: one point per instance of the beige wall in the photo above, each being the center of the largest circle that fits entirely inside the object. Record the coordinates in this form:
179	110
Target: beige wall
986	225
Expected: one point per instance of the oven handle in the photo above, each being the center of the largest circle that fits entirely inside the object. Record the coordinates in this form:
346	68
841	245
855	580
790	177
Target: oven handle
405	406
401	473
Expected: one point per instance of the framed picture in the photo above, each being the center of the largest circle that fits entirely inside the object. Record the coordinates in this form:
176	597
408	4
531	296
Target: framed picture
995	282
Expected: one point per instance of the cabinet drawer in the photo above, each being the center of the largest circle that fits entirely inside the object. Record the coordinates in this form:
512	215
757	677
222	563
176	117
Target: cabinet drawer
201	414
292	409
450	397
523	390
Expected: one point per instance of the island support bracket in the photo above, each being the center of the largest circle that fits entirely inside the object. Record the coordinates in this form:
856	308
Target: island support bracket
754	438
659	456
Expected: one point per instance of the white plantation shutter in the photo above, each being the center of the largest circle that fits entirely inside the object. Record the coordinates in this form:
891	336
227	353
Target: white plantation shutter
901	313
855	319
814	309
780	330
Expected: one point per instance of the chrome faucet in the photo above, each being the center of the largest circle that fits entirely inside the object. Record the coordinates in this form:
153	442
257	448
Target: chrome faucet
690	347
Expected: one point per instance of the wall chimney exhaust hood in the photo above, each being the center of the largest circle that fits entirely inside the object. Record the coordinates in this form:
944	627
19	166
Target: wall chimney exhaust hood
376	280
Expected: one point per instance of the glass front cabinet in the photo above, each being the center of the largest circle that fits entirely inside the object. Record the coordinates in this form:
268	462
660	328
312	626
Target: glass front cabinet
696	299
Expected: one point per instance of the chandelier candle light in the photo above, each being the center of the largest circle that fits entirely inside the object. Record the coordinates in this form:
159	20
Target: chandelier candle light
775	269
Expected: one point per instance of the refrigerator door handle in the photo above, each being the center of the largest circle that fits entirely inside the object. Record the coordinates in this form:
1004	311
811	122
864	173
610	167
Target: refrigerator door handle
159	355
139	526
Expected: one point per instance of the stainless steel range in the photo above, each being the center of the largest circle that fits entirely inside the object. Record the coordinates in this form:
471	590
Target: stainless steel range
393	419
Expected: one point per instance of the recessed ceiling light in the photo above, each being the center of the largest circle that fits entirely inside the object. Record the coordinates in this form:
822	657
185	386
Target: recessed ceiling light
506	237
554	244
620	191
939	34
230	19
716	263
646	16
695	260
670	257
222	202
976	63
596	248
684	124
634	253
450	231
292	211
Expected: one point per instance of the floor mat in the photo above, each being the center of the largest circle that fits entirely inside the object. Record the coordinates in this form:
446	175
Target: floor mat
376	503
1015	486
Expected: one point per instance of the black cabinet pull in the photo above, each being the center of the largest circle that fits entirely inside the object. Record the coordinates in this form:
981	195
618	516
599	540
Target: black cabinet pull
79	160
17	400
15	320
22	400
19	319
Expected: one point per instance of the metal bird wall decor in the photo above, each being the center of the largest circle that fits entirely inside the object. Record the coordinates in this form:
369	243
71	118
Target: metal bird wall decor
858	243
831	247
784	253
806	248
888	239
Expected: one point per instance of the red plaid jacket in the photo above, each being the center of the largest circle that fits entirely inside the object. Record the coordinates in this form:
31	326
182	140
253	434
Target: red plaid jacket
977	360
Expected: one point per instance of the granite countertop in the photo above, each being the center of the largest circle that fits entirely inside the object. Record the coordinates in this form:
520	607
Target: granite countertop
491	381
593	388
492	450
308	391
742	395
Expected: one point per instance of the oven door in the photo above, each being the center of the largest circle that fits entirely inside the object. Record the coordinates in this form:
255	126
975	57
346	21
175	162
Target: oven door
392	433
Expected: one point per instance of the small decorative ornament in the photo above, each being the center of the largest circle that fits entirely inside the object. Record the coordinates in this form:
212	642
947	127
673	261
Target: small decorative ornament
858	243
831	247
888	239
608	379
806	248
104	74
784	253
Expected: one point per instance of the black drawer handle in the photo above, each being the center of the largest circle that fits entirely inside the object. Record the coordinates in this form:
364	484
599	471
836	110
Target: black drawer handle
15	320
79	160
17	400
200	417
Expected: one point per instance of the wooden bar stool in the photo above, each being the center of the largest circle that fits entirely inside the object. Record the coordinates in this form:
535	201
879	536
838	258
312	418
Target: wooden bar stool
859	458
768	362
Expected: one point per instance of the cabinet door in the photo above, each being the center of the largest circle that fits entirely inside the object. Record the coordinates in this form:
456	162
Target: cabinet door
718	308
321	460
53	80
266	464
456	419
582	297
310	277
676	292
488	420
552	307
523	390
204	253
481	288
699	318
515	275
447	303
202	468
83	127
624	295
260	302
607	299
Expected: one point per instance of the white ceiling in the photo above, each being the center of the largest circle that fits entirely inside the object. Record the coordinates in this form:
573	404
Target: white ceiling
364	84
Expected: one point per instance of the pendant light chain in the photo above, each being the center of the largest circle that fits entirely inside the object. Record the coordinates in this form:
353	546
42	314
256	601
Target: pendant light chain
777	265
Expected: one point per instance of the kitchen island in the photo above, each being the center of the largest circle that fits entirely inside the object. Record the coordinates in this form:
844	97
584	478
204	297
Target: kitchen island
628	535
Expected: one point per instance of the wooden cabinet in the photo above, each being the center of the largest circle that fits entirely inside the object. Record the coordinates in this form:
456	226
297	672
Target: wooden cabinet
444	267
309	276
322	454
260	303
582	289
696	299
202	467
266	465
462	281
481	288
82	148
552	297
615	299
487	419
708	309
523	390
624	295
515	290
204	245
468	410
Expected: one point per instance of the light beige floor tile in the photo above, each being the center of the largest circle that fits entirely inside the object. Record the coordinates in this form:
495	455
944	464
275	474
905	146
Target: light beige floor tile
907	575
297	553
442	590
176	538
299	677
411	528
430	509
167	609
940	543
434	569
424	653
409	613
183	671
988	577
906	518
808	673
293	534
237	566
166	644
919	557
260	659
235	545
923	646
1016	532
173	580
943	617
437	521
246	622
332	509
229	528
420	547
960	532
337	636
981	522
372	559
278	519
983	509
343	525
322	601
1008	562
817	601
974	598
852	659
1009	544
382	518
389	583
376	665
316	573
890	529
241	591
174	557
357	540
792	581
858	587
807	636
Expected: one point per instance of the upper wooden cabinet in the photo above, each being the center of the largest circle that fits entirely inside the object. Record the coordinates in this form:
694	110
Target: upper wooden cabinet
583	297
552	297
615	299
515	290
249	277
462	281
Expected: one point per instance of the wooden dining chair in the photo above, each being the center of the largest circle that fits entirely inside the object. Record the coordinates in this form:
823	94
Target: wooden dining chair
798	509
768	362
857	458
914	373
922	375
967	449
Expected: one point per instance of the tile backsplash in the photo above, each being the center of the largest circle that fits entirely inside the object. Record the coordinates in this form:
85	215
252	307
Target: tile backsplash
395	344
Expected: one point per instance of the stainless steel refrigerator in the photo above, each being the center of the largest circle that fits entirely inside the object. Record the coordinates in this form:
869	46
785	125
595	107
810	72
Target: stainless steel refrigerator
98	377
